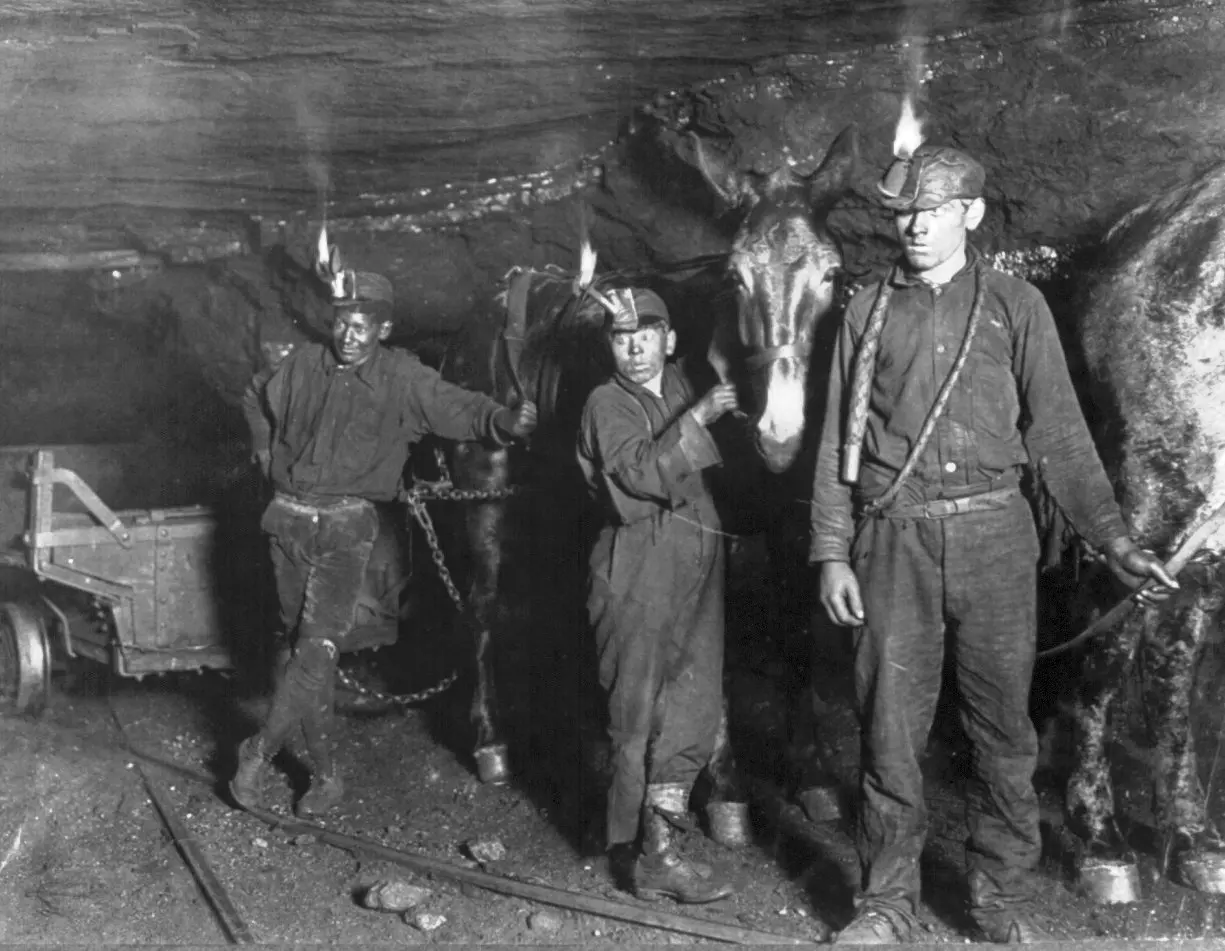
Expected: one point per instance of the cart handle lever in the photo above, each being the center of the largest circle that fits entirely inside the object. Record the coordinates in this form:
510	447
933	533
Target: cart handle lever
44	472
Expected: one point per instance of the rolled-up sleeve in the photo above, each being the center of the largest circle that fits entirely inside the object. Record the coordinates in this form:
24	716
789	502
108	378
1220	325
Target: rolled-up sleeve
1054	429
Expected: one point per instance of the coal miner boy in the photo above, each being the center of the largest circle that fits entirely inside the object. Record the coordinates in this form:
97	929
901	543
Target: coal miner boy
656	593
949	377
332	427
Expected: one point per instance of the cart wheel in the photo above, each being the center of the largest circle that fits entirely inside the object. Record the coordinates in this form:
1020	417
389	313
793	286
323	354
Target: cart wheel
25	660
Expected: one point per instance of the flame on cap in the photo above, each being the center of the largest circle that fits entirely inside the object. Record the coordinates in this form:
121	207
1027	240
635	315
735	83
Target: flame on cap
586	253
330	268
909	134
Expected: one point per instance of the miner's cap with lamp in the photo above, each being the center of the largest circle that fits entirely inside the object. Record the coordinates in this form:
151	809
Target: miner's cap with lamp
363	287
631	308
931	176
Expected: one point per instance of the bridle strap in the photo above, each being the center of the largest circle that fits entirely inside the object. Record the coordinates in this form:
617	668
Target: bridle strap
788	351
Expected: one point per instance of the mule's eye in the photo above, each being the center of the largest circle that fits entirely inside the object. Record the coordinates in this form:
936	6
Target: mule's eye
832	274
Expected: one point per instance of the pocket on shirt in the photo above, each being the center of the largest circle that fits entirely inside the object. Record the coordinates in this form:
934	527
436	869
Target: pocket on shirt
996	409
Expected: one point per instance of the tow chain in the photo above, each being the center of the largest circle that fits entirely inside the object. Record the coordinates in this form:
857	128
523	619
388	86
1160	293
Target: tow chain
415	498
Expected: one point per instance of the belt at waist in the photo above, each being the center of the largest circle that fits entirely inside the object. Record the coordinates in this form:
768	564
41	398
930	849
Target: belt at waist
319	503
943	508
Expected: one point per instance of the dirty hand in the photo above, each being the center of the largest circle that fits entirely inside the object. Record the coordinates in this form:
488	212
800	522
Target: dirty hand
1133	566
521	421
839	594
719	399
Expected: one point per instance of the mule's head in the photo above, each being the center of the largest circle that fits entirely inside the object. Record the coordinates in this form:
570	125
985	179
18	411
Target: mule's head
785	265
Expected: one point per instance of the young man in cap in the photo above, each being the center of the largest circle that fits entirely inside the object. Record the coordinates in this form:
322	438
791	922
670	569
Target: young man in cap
656	595
332	427
950	376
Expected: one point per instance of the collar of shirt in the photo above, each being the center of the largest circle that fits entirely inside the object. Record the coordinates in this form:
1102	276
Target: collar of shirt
900	277
367	372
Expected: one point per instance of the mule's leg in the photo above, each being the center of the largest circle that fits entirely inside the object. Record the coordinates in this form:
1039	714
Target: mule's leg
477	467
1169	657
1090	794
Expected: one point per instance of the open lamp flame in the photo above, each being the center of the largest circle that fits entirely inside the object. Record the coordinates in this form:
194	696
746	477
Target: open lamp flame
586	265
909	134
330	267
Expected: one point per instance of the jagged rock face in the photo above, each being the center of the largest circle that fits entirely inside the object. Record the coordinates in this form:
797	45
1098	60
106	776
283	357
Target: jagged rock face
1076	119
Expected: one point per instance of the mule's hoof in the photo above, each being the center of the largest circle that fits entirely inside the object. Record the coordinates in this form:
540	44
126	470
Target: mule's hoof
1109	881
1201	869
730	824
821	803
493	764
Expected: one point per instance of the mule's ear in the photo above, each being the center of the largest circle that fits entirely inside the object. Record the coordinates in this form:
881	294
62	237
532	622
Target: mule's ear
734	187
833	177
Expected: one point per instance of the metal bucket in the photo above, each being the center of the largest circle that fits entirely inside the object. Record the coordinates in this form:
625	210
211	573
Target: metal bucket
1203	871
1110	881
730	824
821	803
493	764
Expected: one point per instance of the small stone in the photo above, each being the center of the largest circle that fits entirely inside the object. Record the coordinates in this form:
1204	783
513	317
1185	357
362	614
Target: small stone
547	922
424	921
259	843
304	839
486	851
394	896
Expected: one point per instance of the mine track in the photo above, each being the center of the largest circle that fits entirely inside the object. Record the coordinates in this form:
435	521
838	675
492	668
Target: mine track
215	895
235	930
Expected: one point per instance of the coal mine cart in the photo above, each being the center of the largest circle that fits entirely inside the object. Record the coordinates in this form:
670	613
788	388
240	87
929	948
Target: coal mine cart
144	591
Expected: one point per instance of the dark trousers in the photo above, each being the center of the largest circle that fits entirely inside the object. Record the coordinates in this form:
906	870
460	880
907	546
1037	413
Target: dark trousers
319	558
657	608
966	581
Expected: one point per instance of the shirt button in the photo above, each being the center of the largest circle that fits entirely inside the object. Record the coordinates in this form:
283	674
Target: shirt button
315	518
940	348
950	467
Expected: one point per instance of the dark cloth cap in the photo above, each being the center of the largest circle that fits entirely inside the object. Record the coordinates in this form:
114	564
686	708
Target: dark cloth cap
365	287
635	307
933	175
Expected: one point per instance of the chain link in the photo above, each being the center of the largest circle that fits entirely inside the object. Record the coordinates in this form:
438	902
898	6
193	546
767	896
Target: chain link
415	498
404	699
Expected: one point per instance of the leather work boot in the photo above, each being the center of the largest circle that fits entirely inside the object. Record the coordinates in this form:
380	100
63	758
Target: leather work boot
871	926
660	872
325	793
247	785
1020	923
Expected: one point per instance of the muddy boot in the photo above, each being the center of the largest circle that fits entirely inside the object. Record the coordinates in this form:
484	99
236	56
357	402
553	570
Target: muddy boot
247	785
325	793
1013	923
660	872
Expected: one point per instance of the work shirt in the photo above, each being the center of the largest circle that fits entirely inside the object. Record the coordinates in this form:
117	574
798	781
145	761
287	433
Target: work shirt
335	430
642	454
1012	404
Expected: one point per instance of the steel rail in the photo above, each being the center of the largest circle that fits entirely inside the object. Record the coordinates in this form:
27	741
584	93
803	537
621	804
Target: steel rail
501	884
215	895
544	894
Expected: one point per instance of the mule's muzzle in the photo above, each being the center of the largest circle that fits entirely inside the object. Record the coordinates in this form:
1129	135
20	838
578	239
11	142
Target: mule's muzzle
777	454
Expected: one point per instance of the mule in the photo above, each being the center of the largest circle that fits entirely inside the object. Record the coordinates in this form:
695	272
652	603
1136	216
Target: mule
784	266
1153	335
